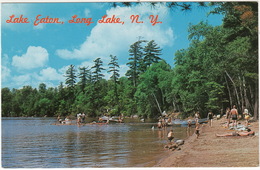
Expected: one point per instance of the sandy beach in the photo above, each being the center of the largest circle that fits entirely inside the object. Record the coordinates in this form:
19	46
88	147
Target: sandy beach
212	151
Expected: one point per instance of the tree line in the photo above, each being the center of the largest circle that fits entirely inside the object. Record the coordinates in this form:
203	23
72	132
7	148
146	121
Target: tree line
218	69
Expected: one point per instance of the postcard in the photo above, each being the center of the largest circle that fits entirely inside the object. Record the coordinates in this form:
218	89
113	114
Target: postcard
129	84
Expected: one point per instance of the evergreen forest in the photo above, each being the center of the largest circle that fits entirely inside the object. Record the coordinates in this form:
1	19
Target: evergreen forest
218	69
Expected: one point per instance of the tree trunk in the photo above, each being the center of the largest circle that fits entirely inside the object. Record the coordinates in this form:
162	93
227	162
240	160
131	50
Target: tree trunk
236	93
229	94
256	116
241	94
177	107
174	106
163	101
247	103
158	105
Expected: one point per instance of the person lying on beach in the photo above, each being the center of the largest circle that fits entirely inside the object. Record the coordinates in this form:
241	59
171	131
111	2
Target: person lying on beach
248	133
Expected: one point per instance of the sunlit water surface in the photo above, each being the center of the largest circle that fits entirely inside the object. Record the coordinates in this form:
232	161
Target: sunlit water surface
35	143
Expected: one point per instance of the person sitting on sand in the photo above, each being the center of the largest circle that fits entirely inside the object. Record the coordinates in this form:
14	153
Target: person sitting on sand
197	130
170	135
247	133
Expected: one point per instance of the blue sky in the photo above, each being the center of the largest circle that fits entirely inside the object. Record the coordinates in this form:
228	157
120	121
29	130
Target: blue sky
41	54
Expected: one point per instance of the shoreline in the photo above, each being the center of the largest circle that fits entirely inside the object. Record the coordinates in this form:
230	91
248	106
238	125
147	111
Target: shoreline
211	151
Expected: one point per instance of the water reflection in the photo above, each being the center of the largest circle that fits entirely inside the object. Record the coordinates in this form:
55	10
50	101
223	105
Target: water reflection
35	143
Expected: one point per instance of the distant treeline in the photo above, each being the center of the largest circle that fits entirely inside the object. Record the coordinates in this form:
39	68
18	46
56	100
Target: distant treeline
218	69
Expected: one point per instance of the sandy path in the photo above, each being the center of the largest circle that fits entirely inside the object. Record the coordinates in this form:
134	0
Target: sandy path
211	151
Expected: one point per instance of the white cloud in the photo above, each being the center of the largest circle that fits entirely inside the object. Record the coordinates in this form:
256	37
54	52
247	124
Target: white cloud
5	73
21	80
34	57
5	68
5	60
123	69
106	39
87	64
50	74
63	69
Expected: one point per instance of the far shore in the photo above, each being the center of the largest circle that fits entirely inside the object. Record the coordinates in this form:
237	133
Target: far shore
212	151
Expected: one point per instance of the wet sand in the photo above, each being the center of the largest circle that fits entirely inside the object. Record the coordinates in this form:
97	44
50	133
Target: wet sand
211	151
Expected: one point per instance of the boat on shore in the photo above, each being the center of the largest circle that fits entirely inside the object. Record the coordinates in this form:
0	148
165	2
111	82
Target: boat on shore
185	122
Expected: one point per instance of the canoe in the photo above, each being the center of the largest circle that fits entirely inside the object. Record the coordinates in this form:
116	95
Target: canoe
185	122
205	120
178	122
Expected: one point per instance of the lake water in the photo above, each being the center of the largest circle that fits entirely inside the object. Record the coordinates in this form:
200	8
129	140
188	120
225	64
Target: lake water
35	143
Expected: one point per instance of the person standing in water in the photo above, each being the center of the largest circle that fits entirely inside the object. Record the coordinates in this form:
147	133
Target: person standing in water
159	124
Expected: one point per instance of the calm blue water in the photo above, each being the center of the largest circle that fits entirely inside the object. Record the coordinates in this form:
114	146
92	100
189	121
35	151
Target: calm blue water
35	143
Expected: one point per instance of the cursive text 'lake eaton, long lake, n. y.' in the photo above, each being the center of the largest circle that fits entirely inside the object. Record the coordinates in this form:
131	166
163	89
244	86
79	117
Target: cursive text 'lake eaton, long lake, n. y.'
75	19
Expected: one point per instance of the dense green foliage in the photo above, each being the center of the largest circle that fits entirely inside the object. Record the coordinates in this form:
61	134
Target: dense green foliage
218	69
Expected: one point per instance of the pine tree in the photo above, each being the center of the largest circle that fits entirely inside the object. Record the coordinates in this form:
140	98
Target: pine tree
113	68
152	53
136	61
84	75
97	75
71	76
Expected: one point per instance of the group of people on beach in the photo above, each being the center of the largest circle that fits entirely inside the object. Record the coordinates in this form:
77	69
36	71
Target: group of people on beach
230	115
233	115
